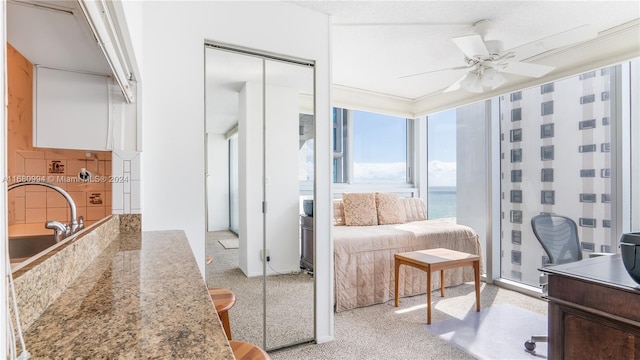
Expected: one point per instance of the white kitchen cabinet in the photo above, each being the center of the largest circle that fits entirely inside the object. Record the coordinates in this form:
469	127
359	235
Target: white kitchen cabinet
125	127
71	110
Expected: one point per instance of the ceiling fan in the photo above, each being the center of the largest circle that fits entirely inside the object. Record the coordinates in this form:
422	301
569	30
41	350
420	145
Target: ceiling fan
486	61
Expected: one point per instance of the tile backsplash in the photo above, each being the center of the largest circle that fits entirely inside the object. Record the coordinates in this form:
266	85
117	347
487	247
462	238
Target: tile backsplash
63	168
109	177
37	204
126	184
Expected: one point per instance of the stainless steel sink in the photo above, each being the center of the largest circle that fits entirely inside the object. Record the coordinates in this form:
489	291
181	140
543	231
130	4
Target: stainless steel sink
28	246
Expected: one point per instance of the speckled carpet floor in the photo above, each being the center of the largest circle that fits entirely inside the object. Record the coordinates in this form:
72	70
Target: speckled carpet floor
497	332
229	243
289	299
388	333
373	332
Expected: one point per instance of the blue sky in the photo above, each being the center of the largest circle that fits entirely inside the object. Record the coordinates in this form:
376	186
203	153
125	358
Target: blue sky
441	147
442	136
372	135
377	159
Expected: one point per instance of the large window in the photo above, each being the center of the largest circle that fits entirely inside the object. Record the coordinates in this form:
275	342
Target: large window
558	149
371	148
441	172
568	175
305	154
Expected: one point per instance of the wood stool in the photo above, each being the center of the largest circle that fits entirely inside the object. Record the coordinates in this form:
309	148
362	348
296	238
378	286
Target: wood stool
247	351
223	300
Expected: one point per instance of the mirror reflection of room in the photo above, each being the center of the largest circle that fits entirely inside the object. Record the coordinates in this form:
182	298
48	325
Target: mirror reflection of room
288	158
257	255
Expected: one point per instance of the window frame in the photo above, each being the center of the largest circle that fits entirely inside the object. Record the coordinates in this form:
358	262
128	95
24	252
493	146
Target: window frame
546	175
515	135
547	88
547	153
547	197
547	130
622	146
343	165
546	108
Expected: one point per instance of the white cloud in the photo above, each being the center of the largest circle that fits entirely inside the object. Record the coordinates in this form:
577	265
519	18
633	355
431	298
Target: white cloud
442	173
379	172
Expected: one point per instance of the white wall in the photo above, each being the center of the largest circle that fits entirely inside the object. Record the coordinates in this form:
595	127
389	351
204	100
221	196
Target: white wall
634	109
282	184
173	112
3	193
129	16
279	156
218	182
471	165
250	175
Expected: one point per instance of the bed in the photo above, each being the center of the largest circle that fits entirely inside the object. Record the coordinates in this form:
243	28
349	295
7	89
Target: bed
363	254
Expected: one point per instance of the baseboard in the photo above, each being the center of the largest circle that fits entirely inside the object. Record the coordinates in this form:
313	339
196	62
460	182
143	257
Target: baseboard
324	339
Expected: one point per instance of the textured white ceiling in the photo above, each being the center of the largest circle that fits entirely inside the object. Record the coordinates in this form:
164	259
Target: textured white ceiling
375	42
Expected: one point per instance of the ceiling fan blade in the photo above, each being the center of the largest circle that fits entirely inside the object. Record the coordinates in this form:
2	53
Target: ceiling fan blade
471	45
569	37
433	71
526	69
456	85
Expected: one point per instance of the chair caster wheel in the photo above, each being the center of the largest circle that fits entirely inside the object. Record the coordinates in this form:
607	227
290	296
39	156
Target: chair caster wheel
529	345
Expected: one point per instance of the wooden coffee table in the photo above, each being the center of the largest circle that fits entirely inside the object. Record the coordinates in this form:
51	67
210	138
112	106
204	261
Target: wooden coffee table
437	260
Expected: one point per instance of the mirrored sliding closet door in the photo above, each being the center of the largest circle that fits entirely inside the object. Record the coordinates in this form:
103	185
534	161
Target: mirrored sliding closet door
259	122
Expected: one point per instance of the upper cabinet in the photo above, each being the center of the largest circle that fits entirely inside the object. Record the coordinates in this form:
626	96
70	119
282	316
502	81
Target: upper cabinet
84	77
71	110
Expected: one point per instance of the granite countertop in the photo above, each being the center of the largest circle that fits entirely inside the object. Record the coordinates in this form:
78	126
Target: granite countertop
143	297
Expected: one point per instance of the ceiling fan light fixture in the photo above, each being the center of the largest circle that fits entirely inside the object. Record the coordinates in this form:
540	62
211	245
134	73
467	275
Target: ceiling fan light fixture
493	78
472	82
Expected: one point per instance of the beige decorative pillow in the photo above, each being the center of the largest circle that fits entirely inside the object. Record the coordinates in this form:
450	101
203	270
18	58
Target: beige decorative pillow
338	212
390	210
414	209
360	209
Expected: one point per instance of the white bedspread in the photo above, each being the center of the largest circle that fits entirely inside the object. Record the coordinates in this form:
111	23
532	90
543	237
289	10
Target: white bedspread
364	263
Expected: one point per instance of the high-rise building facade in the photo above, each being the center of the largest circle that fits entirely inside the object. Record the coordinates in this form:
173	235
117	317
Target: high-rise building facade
556	157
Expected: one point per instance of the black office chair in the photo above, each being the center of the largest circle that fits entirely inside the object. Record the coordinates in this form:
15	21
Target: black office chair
558	236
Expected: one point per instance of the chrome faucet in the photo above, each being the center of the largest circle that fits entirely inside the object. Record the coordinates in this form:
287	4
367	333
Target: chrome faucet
61	230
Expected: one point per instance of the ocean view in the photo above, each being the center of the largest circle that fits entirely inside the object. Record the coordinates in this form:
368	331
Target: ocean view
442	202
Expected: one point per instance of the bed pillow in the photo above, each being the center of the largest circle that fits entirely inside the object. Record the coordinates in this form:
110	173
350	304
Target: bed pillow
360	209
389	208
414	209
338	212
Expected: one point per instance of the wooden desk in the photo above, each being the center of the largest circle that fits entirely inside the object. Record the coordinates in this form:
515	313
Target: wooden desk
594	310
437	260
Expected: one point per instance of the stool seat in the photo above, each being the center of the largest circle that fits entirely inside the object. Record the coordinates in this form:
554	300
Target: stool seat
246	351
223	300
